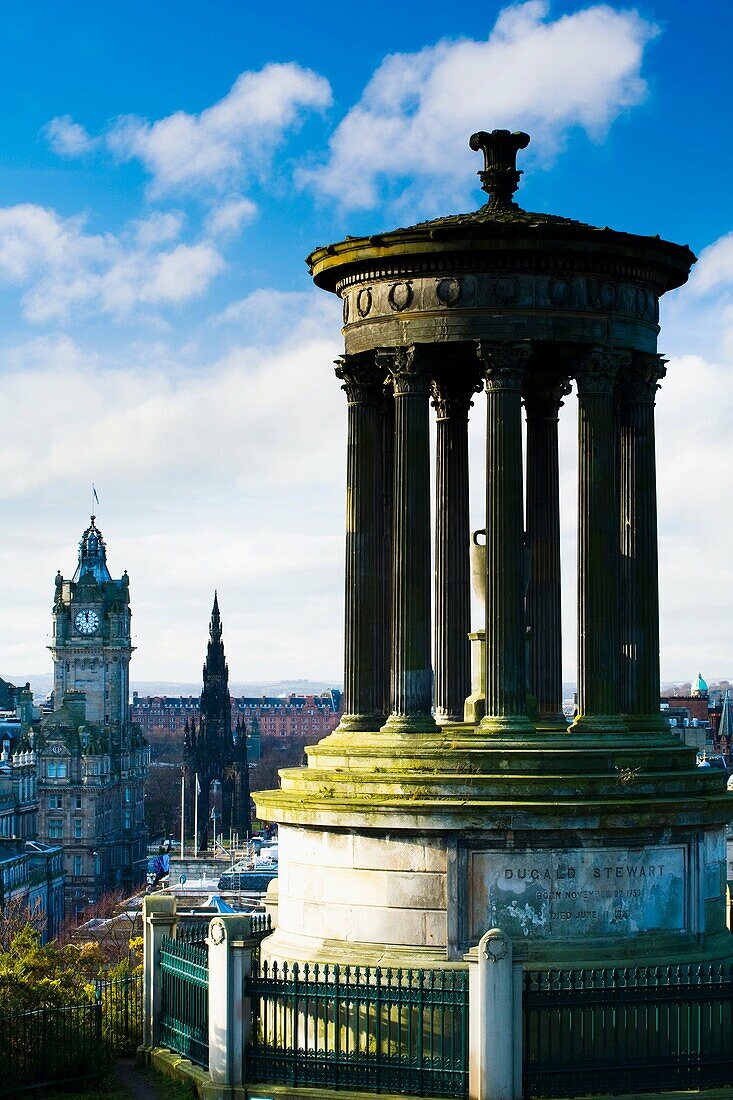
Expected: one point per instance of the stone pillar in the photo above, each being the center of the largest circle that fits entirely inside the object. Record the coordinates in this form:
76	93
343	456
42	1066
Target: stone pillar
636	388
506	687
159	919
542	402
411	673
385	607
598	541
230	964
365	636
495	1020
452	400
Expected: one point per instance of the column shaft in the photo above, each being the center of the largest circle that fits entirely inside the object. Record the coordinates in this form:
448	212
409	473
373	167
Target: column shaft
385	609
452	399
364	633
639	553
505	554
411	680
598	540
544	611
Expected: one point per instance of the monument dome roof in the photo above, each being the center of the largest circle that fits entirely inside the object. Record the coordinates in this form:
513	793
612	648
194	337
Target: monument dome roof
699	686
501	226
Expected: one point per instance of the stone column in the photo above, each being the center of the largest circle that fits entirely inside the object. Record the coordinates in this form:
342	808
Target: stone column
411	673
230	944
365	636
636	389
159	919
385	607
598	541
542	402
506	689
452	400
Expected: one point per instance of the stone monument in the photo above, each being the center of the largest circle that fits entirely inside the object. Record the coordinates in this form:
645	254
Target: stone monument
412	830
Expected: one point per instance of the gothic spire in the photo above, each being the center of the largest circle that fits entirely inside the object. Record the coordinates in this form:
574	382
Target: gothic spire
92	556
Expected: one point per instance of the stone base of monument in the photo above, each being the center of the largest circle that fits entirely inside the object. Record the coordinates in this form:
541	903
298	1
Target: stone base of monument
405	850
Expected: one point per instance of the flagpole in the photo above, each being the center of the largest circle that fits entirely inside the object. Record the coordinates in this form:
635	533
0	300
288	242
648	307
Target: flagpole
183	809
196	819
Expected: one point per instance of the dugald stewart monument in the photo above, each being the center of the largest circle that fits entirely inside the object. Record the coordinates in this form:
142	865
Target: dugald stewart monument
446	804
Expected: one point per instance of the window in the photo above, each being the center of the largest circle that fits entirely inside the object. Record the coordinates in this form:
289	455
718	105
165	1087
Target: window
61	769
77	802
128	819
55	830
128	797
78	865
51	769
77	829
56	802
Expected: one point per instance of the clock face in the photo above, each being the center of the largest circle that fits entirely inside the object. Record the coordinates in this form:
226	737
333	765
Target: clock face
86	621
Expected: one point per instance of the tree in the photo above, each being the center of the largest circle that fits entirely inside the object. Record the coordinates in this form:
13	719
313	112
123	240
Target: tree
17	915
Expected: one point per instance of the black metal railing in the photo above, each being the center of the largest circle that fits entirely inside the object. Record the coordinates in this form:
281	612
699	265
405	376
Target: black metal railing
60	1045
627	1030
357	1027
121	1003
184	1009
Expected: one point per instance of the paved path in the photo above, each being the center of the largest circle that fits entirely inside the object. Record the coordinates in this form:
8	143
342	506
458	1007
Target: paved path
130	1078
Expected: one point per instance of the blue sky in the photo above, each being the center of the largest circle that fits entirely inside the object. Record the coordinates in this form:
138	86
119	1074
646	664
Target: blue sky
165	169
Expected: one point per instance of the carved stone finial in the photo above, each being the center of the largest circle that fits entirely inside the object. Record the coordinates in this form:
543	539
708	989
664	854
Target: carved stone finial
500	177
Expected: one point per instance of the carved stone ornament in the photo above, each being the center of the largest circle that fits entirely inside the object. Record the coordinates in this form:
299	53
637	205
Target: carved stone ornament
496	949
504	364
217	932
407	367
362	380
448	292
364	301
505	290
597	369
452	398
639	382
400	296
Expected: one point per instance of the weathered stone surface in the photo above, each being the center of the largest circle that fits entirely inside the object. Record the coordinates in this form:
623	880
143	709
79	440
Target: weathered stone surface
576	892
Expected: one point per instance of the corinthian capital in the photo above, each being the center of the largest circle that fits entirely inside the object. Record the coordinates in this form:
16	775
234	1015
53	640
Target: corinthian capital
408	368
504	364
597	368
543	395
361	378
452	395
639	381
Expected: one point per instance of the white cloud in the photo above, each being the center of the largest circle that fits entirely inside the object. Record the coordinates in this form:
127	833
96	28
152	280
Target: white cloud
547	76
227	142
65	268
227	218
714	268
68	138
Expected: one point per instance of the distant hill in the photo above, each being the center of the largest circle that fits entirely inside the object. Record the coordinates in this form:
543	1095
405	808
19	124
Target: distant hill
42	684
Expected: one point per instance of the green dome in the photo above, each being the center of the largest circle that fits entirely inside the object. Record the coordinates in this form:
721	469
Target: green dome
699	687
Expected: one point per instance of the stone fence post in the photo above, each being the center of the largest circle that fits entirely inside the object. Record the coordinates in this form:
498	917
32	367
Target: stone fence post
495	1020
230	964
159	919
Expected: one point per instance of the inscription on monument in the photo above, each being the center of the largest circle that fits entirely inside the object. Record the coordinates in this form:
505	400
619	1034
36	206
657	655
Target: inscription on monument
577	891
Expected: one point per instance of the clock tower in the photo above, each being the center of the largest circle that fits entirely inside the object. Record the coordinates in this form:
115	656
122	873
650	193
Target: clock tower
92	762
91	638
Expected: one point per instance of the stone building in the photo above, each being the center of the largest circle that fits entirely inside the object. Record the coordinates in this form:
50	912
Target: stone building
91	761
32	874
286	717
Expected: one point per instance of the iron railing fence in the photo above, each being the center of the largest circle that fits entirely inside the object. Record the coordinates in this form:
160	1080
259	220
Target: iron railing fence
627	1030
192	931
359	1027
121	1001
184	1016
60	1045
50	1046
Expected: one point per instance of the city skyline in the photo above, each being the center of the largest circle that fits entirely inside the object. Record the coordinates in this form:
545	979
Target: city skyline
147	297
